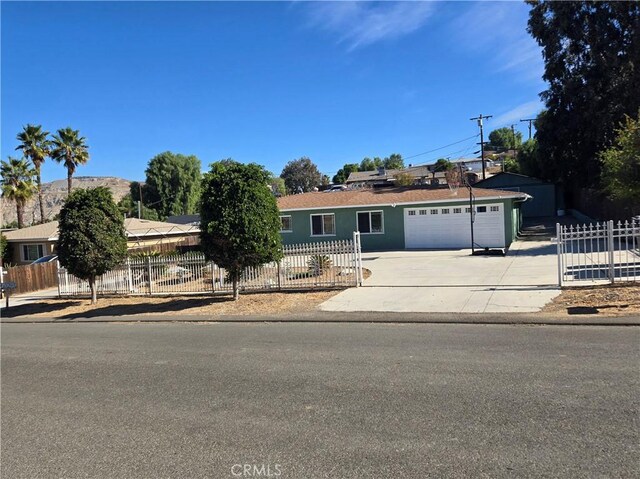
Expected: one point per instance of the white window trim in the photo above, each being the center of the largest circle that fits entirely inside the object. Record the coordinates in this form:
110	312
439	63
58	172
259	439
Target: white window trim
370	232
44	250
290	223
322	214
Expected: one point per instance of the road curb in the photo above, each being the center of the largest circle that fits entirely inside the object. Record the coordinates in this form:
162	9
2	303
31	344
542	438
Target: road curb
359	317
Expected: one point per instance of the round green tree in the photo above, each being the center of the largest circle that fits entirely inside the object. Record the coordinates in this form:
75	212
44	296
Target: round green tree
91	235
239	219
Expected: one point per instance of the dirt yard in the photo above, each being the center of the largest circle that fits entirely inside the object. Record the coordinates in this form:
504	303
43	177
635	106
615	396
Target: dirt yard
248	304
606	300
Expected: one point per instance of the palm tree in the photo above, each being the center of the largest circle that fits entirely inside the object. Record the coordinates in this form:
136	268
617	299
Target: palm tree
35	146
69	148
17	184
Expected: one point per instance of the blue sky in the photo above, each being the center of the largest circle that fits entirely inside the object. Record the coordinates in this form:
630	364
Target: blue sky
265	82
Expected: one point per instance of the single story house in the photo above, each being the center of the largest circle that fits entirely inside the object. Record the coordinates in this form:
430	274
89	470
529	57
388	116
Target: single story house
34	242
546	199
404	218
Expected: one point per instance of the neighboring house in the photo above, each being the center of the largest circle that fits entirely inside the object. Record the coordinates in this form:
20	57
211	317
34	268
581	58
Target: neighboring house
422	175
403	218
29	244
474	164
546	198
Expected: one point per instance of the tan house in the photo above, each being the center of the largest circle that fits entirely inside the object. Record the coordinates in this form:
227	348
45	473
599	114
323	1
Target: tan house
34	242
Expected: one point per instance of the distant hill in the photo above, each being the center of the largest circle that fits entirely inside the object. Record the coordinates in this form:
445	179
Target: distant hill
55	192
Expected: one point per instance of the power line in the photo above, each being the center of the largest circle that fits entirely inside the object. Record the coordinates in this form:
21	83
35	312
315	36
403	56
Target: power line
463	151
430	151
440	148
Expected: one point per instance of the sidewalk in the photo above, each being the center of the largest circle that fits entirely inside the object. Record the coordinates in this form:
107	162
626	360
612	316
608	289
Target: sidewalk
29	298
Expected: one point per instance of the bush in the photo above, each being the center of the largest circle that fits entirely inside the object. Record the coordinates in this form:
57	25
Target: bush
318	264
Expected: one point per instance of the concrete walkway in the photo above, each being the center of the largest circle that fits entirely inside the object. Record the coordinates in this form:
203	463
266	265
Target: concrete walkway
523	281
29	298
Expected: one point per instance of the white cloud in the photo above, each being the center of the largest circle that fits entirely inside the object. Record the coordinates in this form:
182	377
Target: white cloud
526	110
358	24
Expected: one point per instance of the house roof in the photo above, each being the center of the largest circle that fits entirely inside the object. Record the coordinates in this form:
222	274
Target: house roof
184	219
134	227
523	179
45	231
386	196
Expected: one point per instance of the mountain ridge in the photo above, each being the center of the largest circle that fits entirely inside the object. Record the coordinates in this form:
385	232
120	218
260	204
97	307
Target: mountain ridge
55	192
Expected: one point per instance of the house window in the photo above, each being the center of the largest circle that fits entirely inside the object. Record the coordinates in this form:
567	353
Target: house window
481	209
412	212
423	212
31	252
445	211
457	210
370	222
285	224
495	208
323	225
467	210
434	212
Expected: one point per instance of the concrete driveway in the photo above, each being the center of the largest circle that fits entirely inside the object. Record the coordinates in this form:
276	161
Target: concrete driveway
454	281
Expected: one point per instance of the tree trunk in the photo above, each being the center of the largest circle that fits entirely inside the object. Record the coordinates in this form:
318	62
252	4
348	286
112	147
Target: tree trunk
40	199
69	182
92	285
20	213
236	292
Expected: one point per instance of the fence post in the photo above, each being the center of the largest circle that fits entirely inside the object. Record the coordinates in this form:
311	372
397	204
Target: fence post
355	259
358	255
149	272
360	258
612	270
279	282
129	275
559	250
58	277
213	277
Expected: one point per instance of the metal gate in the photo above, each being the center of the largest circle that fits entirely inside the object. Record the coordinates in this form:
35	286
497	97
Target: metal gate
600	252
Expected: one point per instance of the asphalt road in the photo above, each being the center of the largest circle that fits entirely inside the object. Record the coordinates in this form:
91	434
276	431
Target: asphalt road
319	400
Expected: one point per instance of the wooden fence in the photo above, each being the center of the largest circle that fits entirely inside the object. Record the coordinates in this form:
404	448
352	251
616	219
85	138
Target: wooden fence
32	277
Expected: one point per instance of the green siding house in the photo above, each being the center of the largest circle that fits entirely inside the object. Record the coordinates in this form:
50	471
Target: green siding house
404	218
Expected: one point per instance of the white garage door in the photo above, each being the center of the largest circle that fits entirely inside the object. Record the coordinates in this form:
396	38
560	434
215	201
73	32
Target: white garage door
437	227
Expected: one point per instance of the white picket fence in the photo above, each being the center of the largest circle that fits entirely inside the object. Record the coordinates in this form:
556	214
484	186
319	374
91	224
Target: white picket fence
332	264
600	252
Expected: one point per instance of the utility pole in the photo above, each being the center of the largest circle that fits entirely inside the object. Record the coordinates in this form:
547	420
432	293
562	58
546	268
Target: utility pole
480	125
530	120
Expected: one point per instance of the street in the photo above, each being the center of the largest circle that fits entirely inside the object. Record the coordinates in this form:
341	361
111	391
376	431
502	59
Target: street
319	400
